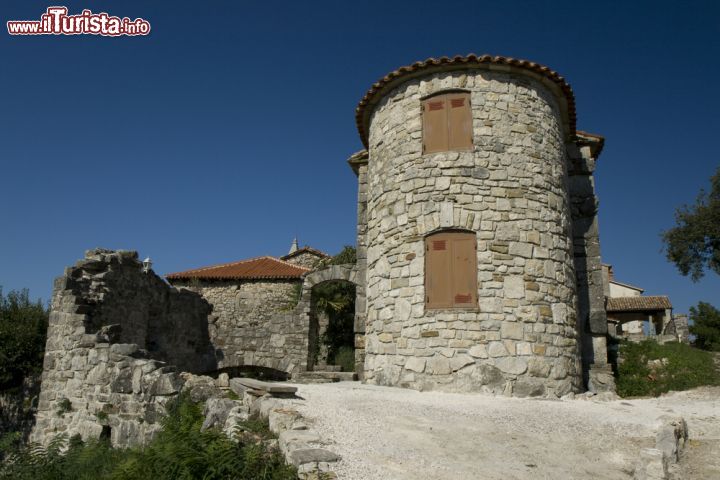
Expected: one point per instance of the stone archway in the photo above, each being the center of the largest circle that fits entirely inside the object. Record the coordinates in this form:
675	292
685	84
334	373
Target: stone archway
348	273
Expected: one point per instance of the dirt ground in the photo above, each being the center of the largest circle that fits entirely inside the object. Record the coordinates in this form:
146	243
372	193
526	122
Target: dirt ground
388	433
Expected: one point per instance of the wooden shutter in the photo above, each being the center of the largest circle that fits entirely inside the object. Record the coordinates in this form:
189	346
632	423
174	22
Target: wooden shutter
447	123
450	270
464	270
459	121
438	271
435	132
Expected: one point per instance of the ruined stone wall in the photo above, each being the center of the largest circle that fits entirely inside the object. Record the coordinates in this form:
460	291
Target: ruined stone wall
253	323
512	192
111	326
305	259
679	327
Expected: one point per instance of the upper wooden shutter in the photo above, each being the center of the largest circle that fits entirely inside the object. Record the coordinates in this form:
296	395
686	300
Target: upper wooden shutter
459	121
450	270
447	123
438	271
435	132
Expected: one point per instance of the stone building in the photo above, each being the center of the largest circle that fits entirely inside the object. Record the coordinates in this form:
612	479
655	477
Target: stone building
477	231
635	316
252	302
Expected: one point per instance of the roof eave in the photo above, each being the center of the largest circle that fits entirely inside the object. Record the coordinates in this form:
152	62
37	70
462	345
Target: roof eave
555	82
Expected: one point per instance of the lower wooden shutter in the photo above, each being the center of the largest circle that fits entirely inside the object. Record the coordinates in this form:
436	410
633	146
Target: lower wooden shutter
464	271
451	270
438	272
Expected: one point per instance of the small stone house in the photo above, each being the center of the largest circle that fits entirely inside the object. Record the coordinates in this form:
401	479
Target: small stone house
249	297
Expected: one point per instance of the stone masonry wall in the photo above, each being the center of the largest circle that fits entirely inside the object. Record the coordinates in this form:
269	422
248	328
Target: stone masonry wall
512	191
305	259
361	266
253	323
95	381
592	318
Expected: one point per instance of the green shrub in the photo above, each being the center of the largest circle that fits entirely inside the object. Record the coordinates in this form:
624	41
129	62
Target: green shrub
23	326
255	425
336	299
345	357
649	369
179	451
348	255
64	406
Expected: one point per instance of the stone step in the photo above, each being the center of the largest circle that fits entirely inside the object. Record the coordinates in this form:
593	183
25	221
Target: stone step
238	385
324	377
322	367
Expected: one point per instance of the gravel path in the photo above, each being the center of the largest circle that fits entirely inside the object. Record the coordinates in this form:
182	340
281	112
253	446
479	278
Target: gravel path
388	433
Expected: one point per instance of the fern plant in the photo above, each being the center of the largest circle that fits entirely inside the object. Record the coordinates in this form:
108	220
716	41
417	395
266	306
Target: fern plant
179	451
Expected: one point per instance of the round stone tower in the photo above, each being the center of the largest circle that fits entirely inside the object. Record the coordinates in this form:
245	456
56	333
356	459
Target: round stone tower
469	271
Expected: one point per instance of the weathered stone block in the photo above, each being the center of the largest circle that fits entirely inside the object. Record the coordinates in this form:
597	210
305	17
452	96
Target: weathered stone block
415	364
438	365
512	330
497	349
512	365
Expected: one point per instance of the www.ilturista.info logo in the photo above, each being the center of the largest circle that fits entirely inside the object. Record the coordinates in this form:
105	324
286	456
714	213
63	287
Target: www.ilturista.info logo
56	21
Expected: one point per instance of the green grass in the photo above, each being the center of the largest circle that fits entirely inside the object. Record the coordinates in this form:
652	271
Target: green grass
179	451
678	367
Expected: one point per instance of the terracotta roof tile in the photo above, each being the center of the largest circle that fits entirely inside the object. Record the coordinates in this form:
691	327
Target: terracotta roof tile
458	62
634	304
254	268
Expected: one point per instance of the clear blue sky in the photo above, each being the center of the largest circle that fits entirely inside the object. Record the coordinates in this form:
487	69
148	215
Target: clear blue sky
224	133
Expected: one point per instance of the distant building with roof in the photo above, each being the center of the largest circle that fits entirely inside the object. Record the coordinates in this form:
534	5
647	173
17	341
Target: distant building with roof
634	315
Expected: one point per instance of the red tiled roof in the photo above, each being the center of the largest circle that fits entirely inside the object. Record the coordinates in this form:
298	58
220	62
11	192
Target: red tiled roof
254	268
305	249
458	62
635	304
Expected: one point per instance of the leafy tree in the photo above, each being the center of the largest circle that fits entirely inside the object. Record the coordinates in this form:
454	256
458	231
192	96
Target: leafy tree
23	327
694	244
336	299
705	326
347	255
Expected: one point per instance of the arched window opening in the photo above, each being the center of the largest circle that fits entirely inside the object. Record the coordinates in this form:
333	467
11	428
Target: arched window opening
451	270
447	122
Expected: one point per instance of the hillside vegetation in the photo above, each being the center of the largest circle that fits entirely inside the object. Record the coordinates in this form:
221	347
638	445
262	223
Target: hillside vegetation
650	369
